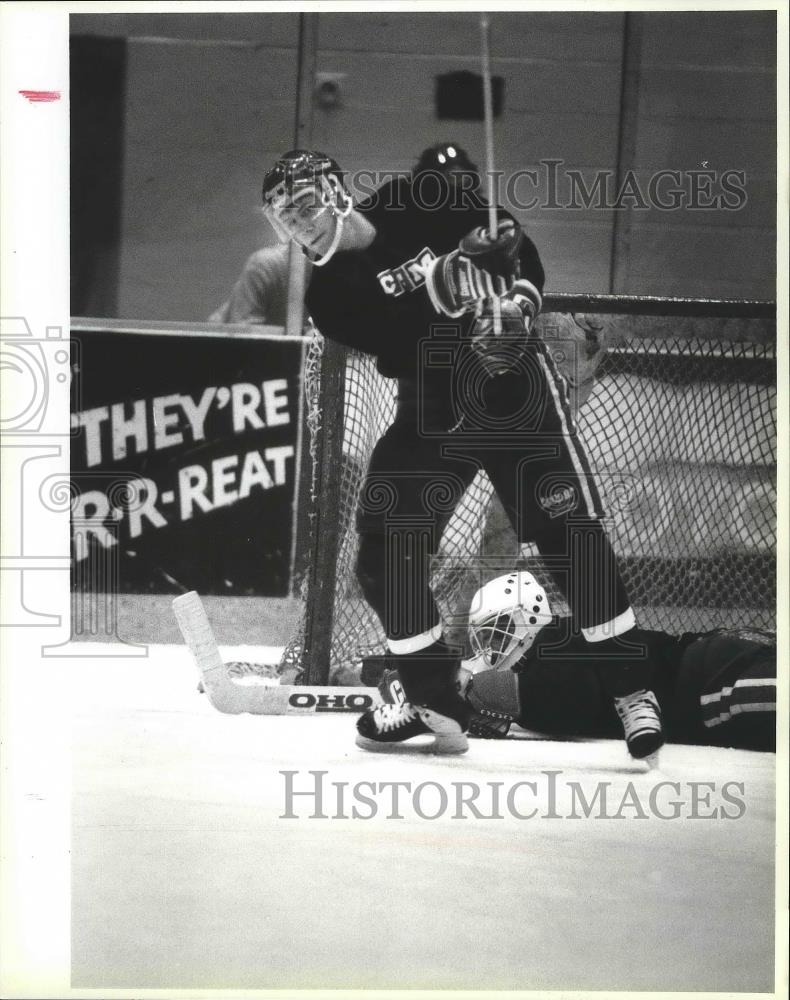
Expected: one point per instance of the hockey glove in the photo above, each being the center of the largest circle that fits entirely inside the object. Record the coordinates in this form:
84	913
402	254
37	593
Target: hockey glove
479	269
493	697
528	299
499	345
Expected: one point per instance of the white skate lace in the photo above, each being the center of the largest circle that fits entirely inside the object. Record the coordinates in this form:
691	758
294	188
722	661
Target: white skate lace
638	712
389	717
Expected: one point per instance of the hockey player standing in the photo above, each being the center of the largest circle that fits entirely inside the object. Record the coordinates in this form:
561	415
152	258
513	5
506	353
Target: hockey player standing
413	277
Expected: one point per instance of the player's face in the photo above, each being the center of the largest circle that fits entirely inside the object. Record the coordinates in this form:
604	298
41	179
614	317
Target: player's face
308	221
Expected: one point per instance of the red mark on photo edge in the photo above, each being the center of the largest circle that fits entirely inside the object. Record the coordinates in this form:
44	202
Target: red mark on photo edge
41	95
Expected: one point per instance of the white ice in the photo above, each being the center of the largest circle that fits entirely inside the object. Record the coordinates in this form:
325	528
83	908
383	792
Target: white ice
186	875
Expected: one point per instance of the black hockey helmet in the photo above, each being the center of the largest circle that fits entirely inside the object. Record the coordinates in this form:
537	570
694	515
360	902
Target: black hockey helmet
313	179
445	158
300	168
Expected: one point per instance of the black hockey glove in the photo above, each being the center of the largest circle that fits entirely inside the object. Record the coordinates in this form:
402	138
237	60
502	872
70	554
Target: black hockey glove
481	268
486	723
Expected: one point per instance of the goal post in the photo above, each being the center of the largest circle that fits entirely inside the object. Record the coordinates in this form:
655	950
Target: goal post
325	422
676	403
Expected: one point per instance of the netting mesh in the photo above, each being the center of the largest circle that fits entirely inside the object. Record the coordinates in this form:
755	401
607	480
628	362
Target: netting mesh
681	435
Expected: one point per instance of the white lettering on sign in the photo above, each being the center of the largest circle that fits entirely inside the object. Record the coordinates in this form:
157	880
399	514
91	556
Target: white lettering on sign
275	402
230	479
91	421
246	399
223	473
143	506
200	488
196	412
254	473
123	429
89	511
167	416
192	483
277	457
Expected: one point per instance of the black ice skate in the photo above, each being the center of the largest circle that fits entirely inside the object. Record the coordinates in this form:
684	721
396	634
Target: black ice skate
384	727
641	718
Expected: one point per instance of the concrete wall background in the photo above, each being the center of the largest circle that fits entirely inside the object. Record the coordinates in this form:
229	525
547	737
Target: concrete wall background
211	101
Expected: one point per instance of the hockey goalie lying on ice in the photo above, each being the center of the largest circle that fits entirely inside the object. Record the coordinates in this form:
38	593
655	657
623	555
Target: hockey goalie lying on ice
530	671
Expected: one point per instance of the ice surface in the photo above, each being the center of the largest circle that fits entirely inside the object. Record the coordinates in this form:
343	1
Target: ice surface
186	875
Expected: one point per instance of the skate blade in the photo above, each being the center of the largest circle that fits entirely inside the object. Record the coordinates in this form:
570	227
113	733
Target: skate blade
448	736
444	744
449	743
652	761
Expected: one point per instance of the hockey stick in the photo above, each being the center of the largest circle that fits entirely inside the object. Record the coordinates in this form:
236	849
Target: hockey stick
234	698
488	116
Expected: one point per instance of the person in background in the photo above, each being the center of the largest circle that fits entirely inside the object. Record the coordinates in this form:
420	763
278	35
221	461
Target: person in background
450	164
260	294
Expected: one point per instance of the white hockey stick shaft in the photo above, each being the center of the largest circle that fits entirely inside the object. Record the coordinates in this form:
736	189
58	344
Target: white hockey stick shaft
488	116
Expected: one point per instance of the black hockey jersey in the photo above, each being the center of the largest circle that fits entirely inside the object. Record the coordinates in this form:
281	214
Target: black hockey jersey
375	299
560	690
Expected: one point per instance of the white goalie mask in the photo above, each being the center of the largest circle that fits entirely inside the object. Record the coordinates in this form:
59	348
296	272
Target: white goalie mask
505	617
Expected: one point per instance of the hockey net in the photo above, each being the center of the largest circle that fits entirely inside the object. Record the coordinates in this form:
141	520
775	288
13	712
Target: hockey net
676	403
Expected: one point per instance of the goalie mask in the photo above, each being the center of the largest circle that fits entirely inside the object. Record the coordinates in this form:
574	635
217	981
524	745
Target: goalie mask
305	200
506	616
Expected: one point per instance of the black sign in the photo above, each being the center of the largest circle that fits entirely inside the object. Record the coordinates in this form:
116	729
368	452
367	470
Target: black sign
183	461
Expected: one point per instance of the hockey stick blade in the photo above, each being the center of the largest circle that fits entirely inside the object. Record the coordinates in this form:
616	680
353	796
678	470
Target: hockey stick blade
233	698
288	699
198	635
